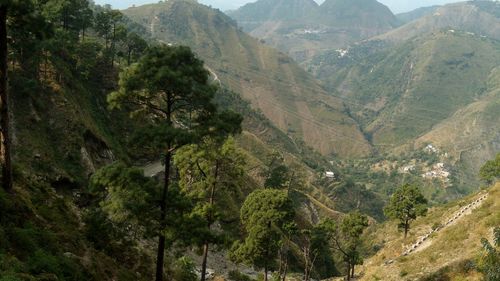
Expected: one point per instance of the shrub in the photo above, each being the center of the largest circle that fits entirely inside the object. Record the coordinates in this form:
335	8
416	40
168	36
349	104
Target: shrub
43	262
235	275
9	277
184	270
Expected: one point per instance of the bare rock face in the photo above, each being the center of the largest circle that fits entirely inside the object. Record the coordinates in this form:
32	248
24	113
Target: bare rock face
95	153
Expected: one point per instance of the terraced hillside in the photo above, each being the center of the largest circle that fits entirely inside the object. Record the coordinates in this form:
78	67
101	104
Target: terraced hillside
270	80
309	28
436	85
479	17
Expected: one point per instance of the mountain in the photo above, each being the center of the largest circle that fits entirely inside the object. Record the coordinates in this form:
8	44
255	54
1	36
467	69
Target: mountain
439	89
416	14
479	17
471	133
63	132
309	29
271	81
251	15
364	15
423	83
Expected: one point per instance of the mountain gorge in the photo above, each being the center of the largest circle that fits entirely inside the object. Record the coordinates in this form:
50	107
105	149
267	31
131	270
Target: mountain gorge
273	83
284	141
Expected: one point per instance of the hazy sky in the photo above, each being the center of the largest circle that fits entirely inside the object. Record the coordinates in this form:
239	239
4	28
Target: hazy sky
397	6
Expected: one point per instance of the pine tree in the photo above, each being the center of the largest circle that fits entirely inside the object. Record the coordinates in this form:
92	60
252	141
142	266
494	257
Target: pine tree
346	238
264	214
490	170
209	173
405	205
169	89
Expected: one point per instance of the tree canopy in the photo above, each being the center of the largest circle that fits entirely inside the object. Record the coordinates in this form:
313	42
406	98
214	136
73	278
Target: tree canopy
490	170
405	205
264	214
169	90
345	237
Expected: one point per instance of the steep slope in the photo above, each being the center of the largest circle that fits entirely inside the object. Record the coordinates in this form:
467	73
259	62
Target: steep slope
416	14
403	92
399	93
334	24
251	15
271	81
471	133
365	15
480	17
450	252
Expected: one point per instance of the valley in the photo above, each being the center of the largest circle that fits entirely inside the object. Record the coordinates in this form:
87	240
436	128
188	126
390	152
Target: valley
285	140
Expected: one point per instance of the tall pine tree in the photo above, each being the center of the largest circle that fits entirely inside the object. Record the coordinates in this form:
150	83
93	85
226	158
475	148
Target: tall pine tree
169	89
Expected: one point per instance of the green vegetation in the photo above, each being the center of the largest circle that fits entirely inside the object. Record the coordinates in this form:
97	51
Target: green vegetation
346	238
264	214
90	199
209	173
490	170
169	89
490	261
405	205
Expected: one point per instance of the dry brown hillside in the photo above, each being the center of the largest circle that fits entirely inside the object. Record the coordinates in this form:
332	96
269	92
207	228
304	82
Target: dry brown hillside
273	82
449	252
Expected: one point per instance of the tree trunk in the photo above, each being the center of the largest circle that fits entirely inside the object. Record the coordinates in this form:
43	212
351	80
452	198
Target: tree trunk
285	270
407	226
352	270
306	260
210	221
4	105
113	45
163	215
204	263
348	271
265	272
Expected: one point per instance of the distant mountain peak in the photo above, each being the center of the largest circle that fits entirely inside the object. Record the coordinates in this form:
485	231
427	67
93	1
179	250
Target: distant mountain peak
263	10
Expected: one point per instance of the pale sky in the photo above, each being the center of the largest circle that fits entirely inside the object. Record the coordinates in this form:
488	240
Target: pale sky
397	6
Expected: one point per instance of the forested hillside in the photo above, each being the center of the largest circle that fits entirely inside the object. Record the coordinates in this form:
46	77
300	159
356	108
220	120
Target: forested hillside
163	143
270	80
78	209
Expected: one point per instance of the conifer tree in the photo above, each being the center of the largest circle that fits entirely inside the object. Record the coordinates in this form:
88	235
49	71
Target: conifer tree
264	214
490	170
210	173
405	205
169	90
346	238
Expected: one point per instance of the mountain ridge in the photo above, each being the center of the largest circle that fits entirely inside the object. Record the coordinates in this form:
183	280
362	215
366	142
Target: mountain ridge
334	23
270	80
